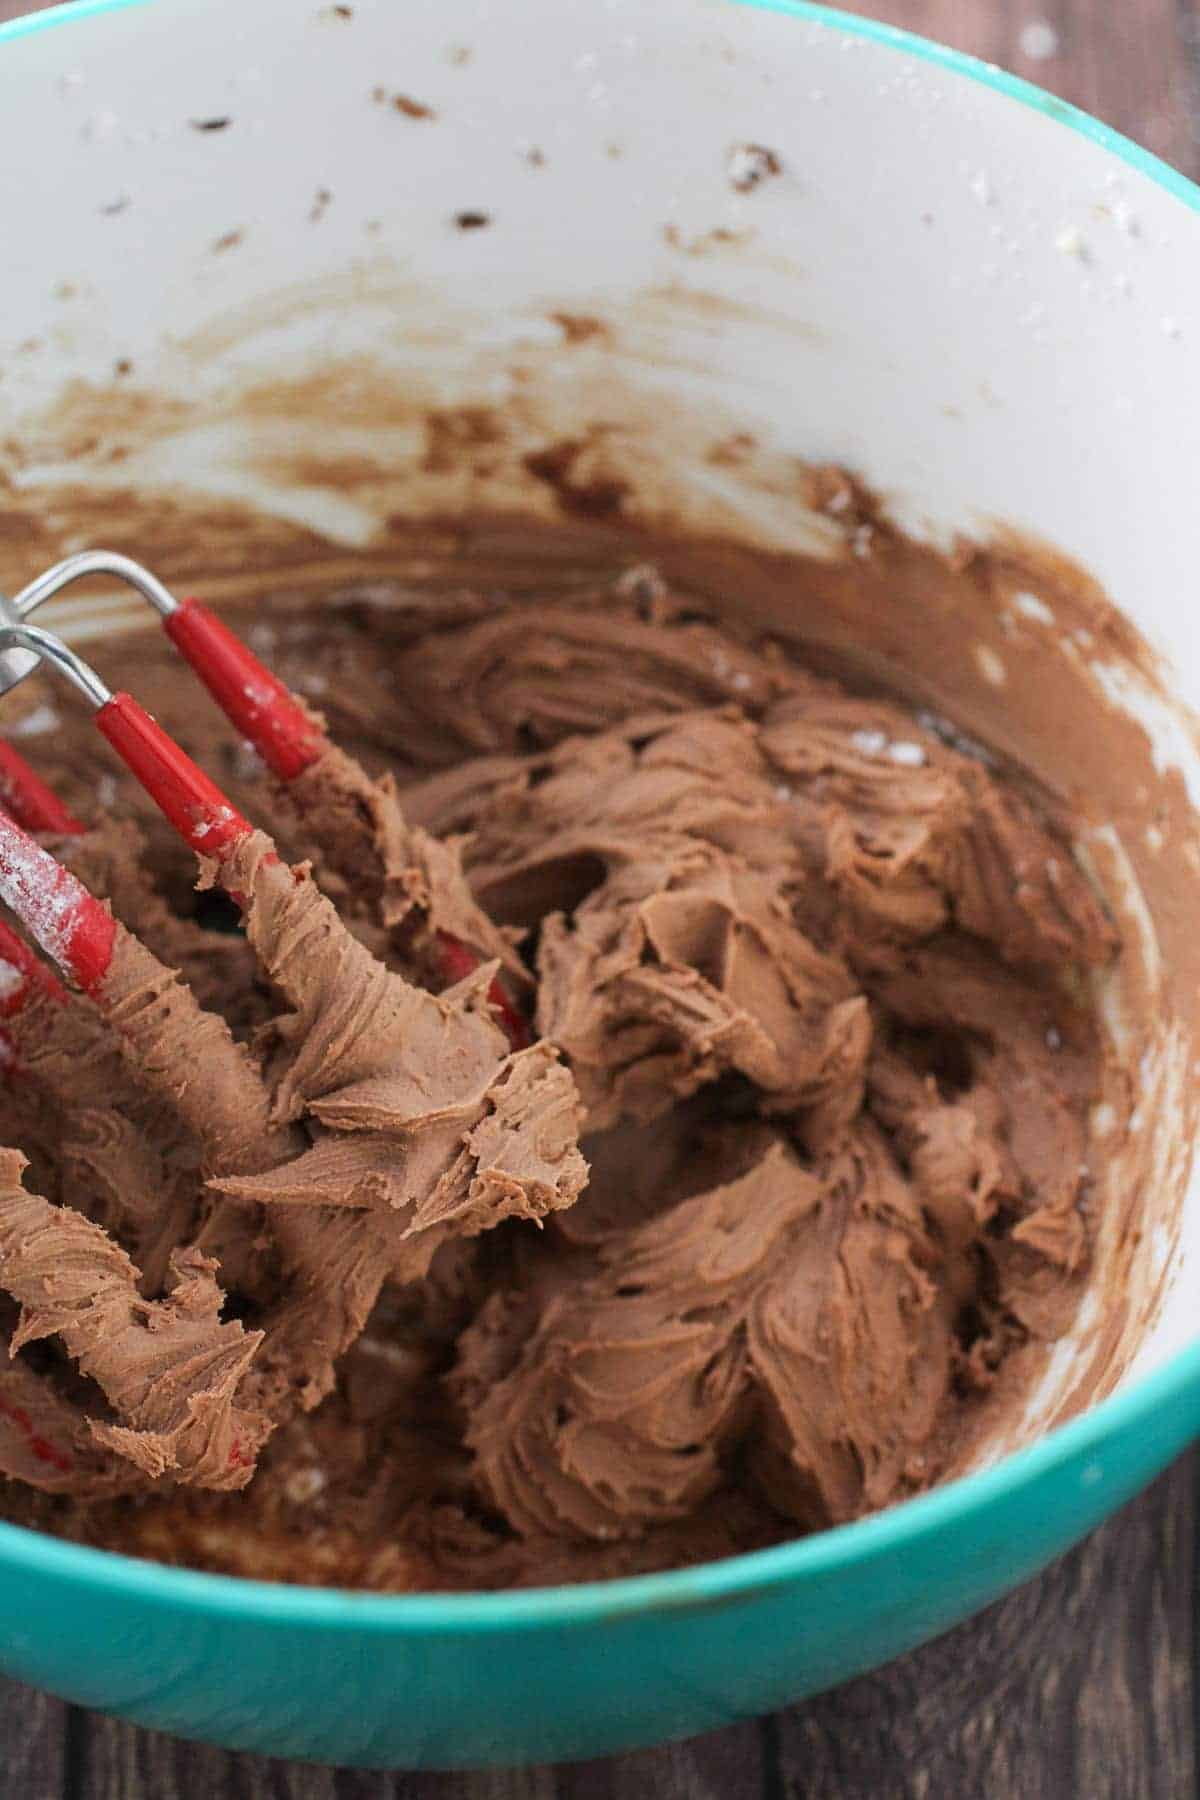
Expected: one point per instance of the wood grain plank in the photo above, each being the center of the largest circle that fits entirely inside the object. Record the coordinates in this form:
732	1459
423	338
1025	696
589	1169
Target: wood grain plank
32	1744
122	1762
484	1784
724	1765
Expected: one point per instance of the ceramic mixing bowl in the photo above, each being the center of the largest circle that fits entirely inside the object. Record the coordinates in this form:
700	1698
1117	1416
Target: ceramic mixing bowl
225	240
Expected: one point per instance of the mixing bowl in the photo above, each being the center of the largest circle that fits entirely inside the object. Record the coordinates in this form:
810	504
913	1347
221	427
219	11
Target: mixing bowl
250	263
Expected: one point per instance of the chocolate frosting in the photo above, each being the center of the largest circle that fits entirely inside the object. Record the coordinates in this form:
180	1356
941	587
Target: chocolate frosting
46	1443
169	1369
413	1105
422	1123
810	979
379	867
612	1405
805	900
108	1148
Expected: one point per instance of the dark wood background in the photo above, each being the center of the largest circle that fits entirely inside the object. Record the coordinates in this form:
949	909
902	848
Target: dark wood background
1082	1686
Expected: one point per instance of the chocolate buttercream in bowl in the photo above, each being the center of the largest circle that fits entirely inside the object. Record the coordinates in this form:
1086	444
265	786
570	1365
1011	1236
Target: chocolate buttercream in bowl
822	1178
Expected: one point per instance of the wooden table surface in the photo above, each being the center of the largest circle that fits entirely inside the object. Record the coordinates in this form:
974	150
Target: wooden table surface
1082	1686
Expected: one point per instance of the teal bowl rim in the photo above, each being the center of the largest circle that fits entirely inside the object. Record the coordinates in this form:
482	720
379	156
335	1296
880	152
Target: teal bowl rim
840	1549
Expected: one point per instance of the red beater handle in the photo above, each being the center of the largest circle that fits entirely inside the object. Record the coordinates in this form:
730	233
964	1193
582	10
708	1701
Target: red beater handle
259	705
458	961
194	805
31	803
70	924
22	975
251	697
